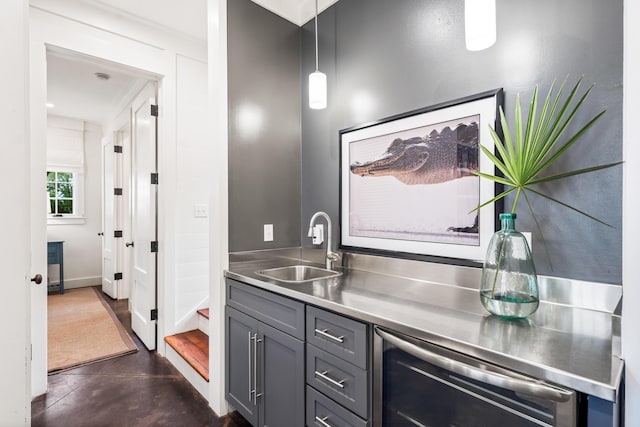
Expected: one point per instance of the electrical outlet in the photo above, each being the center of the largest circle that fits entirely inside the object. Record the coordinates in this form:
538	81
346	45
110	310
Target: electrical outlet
200	211
268	232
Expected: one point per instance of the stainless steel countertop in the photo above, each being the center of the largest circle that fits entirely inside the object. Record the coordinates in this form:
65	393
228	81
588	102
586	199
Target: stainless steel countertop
569	346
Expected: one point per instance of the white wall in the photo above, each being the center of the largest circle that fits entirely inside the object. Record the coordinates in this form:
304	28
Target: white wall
193	164
631	207
82	251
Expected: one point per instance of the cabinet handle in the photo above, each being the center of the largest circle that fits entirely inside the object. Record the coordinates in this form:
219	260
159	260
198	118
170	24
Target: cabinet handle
323	421
325	377
325	334
256	395
250	365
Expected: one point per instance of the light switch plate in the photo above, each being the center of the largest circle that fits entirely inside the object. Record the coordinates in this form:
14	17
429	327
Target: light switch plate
200	211
268	232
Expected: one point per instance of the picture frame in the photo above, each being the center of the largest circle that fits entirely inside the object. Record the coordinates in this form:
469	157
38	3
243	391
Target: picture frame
407	186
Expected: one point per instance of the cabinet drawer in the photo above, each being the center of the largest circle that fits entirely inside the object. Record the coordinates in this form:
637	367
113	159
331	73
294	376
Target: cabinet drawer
338	335
322	409
280	312
339	380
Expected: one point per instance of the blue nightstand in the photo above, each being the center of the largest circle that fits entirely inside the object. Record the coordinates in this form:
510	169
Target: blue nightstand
55	256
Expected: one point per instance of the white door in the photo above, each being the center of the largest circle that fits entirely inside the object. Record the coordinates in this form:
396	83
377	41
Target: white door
144	219
15	170
127	246
110	217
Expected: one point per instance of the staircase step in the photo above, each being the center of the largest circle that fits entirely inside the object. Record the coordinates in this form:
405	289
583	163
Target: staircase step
203	320
193	347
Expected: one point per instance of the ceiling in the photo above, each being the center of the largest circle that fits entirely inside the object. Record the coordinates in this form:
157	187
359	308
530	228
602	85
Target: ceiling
188	17
76	92
297	11
71	82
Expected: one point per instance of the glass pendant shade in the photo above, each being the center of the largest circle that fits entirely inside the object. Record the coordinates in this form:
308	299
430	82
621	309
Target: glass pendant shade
479	24
317	90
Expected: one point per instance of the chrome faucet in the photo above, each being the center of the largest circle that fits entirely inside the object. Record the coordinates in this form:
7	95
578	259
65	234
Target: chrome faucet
331	256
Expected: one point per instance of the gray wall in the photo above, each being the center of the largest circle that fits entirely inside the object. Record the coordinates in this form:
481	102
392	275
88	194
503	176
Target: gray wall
396	56
264	127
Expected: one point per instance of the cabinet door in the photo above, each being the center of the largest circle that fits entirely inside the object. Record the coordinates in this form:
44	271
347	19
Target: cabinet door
241	363
282	379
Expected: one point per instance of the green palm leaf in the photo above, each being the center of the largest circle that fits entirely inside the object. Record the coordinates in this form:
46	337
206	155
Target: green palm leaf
525	151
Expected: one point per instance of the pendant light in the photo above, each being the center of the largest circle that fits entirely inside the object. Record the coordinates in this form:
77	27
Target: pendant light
479	24
317	80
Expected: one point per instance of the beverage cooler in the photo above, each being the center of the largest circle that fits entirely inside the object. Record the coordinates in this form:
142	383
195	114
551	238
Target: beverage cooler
421	384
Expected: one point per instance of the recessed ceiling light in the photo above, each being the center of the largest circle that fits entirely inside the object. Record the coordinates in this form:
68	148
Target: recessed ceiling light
50	104
102	76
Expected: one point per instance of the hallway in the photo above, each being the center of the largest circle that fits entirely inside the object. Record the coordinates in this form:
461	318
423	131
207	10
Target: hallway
140	389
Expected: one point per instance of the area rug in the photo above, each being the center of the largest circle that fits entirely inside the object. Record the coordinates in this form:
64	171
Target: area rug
83	329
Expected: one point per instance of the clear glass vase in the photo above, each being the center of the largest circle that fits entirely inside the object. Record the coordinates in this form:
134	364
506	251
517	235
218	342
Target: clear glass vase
509	285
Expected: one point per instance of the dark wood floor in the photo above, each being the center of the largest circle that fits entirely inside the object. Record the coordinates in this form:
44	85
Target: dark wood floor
139	389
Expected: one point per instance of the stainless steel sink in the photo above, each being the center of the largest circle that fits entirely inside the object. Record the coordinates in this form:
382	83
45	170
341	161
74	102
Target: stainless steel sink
298	273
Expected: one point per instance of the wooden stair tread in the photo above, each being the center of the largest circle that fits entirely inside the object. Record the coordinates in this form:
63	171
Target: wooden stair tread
193	346
204	312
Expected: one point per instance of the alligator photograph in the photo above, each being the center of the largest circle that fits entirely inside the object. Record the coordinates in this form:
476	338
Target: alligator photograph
417	186
433	159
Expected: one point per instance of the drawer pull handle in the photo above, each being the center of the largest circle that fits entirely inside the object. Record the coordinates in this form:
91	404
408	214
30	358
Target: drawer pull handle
251	390
323	421
325	377
325	334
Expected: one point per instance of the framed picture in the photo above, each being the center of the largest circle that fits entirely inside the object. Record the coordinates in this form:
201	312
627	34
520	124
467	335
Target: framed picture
407	183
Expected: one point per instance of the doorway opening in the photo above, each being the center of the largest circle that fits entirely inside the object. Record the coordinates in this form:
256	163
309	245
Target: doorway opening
102	203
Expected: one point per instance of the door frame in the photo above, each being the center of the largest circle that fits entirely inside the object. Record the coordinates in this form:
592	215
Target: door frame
49	30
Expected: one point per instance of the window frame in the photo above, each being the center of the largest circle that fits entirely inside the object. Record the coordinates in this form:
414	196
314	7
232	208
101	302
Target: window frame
77	217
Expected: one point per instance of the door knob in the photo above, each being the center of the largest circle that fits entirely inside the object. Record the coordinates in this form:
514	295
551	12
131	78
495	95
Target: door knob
129	244
37	278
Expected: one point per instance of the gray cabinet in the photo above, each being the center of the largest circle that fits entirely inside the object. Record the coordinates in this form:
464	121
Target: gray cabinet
343	337
338	375
323	412
264	365
240	374
339	380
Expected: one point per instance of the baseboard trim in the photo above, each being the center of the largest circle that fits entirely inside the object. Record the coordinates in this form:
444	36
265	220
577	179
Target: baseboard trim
81	282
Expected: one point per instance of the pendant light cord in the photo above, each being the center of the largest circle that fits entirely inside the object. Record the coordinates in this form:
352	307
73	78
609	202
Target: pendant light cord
316	22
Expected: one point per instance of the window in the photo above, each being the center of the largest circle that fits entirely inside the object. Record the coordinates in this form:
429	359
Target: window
60	186
65	171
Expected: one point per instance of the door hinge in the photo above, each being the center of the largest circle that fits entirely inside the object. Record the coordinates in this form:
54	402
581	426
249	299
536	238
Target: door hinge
31	350
154	246
117	233
154	177
154	110
117	191
117	276
117	148
154	314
